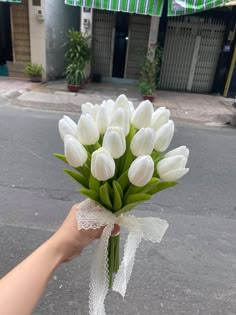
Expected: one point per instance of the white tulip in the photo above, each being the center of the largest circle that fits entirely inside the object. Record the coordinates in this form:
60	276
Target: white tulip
87	131
142	115
114	141
122	102
67	127
141	170
110	106
131	107
89	108
75	153
121	119
164	136
178	151
102	119
160	117
102	165
172	168
143	142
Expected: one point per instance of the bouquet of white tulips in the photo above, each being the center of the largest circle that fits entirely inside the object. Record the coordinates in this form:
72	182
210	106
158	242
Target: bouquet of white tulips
117	153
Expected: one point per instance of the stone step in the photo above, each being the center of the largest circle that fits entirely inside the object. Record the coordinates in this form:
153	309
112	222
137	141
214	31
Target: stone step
16	70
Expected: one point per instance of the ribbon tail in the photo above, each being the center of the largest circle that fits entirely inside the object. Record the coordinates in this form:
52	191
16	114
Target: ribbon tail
99	274
123	276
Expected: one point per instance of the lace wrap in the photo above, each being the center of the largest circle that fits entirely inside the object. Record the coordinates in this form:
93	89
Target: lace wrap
92	216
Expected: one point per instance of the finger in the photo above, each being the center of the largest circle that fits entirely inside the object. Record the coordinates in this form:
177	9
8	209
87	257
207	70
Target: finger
116	230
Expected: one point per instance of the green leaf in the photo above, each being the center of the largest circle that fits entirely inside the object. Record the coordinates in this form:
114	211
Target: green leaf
105	198
77	177
123	180
84	170
145	189
136	198
119	189
128	208
94	184
90	194
161	186
117	199
61	157
128	154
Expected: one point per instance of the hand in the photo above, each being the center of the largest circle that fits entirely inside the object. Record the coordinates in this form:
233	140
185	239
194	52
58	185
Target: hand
69	241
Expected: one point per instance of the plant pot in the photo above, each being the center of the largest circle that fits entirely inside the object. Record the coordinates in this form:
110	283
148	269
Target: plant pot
35	78
149	97
73	88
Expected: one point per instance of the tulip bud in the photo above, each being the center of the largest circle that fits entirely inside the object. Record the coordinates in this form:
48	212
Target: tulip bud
142	116
141	170
89	108
160	117
110	104
102	165
172	168
102	119
114	141
164	136
75	153
67	127
121	119
143	142
178	151
131	107
122	102
87	131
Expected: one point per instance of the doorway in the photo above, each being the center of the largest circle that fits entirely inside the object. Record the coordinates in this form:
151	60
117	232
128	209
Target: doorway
120	44
5	33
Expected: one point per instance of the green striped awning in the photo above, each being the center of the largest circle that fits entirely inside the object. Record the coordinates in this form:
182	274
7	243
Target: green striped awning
181	7
148	7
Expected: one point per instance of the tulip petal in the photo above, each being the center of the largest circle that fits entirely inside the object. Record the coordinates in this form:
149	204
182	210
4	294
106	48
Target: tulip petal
141	170
183	150
142	116
164	136
174	175
75	153
160	117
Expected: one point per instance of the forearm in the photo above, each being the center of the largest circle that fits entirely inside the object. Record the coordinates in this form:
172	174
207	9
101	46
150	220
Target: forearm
21	289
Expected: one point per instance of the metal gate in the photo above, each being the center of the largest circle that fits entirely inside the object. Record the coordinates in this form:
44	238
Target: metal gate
139	27
191	52
103	42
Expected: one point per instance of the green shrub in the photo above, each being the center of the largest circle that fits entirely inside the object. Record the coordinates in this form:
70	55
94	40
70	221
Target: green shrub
33	69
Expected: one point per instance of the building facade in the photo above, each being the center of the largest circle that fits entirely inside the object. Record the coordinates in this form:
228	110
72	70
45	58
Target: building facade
192	43
35	31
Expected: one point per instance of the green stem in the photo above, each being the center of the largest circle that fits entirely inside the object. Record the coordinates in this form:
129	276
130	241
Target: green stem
113	256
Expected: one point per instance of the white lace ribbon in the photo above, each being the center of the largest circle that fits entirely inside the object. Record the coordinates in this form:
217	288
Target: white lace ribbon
92	216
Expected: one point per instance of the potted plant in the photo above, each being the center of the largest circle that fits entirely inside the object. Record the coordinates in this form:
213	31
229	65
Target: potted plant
148	80
146	90
74	77
77	56
34	71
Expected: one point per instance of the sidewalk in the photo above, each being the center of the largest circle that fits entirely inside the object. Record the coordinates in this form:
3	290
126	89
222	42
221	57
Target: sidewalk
188	107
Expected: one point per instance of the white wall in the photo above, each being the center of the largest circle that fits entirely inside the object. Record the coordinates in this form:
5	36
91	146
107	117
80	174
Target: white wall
37	36
154	28
87	29
59	19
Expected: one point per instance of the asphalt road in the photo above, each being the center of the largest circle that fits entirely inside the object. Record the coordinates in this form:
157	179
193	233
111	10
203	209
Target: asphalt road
192	272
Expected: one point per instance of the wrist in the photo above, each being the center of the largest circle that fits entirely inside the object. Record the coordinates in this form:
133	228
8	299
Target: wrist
56	253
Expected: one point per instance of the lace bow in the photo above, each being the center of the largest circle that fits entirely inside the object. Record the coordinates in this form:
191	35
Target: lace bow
91	216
